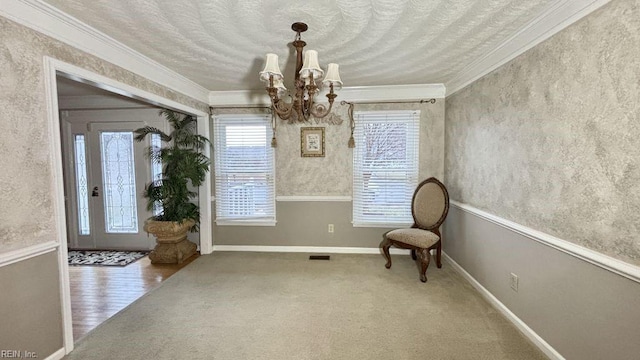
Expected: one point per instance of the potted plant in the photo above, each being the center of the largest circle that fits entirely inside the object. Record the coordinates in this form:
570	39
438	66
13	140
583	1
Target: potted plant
184	167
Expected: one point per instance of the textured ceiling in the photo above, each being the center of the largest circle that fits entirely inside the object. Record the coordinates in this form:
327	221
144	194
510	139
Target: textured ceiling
220	44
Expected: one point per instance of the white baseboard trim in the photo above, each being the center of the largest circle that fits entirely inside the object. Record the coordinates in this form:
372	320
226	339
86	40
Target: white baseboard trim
307	249
619	267
28	252
56	355
539	342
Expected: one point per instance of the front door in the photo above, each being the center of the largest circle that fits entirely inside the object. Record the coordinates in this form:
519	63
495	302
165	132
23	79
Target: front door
110	173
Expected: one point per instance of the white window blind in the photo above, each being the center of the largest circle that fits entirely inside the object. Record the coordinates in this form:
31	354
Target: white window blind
244	169
385	167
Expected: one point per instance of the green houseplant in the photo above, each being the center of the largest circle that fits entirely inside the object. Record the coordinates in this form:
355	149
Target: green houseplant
184	167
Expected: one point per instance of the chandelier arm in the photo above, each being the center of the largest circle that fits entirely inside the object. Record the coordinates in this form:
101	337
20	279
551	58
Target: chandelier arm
320	110
281	108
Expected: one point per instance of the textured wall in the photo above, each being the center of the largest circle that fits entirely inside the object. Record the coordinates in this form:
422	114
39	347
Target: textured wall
332	174
26	207
550	140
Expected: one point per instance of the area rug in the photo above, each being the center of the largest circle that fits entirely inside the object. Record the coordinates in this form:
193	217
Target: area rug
104	258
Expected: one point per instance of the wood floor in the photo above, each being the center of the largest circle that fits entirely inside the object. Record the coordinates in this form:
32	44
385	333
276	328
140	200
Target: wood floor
99	292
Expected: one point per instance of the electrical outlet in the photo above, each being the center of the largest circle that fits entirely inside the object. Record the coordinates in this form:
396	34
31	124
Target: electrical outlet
330	228
514	282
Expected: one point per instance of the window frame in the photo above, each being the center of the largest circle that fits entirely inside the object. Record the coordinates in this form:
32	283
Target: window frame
224	120
359	219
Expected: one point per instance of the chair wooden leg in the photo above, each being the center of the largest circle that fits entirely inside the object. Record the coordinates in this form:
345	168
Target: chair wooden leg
425	258
439	255
413	254
385	245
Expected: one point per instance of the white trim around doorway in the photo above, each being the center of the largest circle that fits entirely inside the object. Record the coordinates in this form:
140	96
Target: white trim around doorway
51	67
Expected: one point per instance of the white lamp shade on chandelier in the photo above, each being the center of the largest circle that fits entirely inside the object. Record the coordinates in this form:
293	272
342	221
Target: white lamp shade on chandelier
271	68
310	66
333	76
279	84
302	105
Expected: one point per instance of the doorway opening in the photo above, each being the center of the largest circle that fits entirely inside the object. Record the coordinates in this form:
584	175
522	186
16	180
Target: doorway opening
75	96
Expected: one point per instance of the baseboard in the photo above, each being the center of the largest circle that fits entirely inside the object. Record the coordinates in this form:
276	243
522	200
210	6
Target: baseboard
56	355
307	249
606	262
539	342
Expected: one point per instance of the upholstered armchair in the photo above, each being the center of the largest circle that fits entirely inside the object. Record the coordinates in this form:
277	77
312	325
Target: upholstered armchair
429	207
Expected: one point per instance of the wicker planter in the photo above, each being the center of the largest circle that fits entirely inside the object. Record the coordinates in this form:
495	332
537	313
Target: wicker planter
172	246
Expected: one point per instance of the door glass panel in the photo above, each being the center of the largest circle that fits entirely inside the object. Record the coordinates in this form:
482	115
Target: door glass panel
119	182
81	185
156	169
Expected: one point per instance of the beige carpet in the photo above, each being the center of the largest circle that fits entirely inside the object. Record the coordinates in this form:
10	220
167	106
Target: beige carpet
235	306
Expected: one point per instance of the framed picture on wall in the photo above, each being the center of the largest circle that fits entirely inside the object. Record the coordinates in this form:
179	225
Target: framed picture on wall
312	142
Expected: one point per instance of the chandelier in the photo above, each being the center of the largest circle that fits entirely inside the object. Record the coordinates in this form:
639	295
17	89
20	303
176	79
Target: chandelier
302	105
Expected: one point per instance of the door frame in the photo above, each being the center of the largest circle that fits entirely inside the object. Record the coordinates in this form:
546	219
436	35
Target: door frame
88	122
51	68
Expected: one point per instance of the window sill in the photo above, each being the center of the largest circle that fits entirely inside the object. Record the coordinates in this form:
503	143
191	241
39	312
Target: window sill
246	222
385	225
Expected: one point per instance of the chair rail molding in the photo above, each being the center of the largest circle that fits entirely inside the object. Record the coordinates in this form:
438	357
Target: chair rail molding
52	22
11	257
606	262
314	198
558	15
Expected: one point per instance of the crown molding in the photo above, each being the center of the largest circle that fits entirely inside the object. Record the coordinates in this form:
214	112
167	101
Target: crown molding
239	98
355	93
52	22
557	17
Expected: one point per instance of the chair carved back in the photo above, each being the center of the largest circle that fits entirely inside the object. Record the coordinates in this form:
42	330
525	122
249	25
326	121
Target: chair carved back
430	204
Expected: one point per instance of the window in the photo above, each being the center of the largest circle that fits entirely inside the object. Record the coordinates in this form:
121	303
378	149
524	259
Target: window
385	167
156	169
84	227
119	182
244	170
